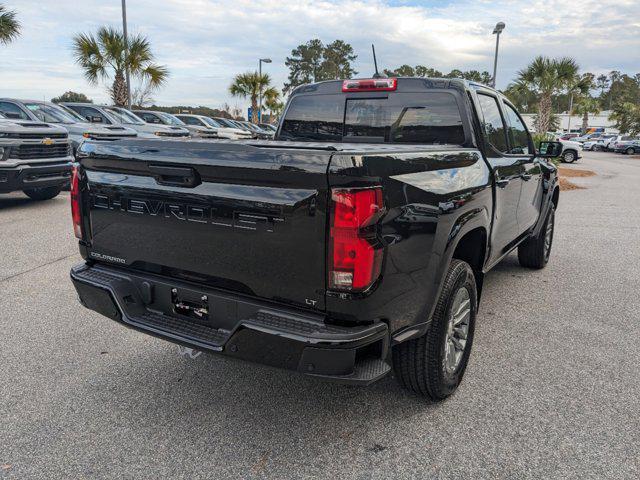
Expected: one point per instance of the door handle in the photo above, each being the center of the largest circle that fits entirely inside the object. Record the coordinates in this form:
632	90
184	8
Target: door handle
503	182
175	176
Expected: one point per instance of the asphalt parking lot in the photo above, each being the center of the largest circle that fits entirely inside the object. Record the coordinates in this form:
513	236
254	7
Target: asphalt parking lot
552	389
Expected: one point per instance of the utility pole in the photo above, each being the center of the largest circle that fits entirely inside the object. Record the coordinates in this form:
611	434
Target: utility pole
497	31
260	61
126	51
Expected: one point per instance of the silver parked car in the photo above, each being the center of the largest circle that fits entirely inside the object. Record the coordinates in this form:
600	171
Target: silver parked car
77	126
163	118
214	125
121	116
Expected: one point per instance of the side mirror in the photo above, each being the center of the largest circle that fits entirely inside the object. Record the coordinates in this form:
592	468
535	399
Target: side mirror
549	149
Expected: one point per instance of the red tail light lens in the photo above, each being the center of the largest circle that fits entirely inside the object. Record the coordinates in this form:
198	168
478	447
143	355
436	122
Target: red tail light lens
370	85
354	261
75	203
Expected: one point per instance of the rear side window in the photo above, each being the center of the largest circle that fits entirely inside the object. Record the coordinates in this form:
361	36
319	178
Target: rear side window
314	117
405	118
493	124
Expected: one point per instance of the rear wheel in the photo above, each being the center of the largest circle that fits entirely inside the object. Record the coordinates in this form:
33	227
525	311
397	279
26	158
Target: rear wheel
44	193
569	156
535	251
630	151
433	365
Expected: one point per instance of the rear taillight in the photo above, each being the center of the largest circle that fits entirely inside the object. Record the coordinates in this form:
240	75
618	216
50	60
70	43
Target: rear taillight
75	203
370	85
354	258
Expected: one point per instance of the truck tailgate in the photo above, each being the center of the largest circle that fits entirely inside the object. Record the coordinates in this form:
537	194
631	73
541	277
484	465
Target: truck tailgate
234	216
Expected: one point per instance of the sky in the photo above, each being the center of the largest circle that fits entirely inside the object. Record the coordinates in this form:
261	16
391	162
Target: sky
204	43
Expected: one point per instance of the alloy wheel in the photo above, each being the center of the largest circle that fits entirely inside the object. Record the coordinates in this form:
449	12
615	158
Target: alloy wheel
457	331
548	236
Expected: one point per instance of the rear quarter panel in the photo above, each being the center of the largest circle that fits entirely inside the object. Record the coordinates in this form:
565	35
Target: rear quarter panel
432	199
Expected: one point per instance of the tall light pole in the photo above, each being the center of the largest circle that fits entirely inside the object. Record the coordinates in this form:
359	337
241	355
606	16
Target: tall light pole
497	31
126	51
260	62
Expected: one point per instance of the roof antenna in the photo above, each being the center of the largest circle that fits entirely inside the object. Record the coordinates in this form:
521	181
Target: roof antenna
375	62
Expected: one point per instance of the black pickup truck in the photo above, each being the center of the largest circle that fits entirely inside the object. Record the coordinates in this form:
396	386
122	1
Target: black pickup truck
353	244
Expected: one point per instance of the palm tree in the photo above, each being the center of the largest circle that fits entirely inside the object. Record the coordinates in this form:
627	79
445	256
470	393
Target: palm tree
105	55
272	102
584	107
9	26
578	86
249	85
547	77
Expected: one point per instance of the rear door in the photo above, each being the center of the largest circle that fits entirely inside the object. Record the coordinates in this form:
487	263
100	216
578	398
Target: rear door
508	170
233	216
521	149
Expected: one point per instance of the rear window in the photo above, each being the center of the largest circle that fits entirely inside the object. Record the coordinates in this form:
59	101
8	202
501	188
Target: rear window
432	117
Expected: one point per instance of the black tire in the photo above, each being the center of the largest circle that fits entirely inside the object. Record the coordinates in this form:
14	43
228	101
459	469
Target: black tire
569	156
44	193
630	151
420	364
535	251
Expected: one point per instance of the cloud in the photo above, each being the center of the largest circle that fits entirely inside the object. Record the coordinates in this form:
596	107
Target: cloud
206	42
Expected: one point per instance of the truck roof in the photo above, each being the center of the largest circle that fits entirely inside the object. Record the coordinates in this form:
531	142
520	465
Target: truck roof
331	86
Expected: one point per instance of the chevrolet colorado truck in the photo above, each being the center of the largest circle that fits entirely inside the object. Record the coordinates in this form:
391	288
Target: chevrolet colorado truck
34	158
354	244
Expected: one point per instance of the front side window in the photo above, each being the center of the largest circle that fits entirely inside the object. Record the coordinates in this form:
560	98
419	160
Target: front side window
518	134
224	122
212	123
492	124
11	110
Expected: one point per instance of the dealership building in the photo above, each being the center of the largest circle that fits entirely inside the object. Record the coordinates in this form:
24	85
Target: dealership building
600	122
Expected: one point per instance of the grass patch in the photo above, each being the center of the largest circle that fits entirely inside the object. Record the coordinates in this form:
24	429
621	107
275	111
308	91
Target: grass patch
575	172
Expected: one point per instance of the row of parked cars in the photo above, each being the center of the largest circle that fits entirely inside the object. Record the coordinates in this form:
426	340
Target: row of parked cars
602	142
38	139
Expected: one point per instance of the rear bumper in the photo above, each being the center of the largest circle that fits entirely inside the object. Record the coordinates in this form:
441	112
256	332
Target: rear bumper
236	326
23	177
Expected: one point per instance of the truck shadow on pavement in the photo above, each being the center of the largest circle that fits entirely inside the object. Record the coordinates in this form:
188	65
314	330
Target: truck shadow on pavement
247	403
256	406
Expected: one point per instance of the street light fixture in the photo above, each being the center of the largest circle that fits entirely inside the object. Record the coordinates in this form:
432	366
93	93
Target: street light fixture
497	31
260	62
